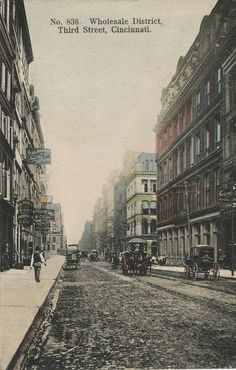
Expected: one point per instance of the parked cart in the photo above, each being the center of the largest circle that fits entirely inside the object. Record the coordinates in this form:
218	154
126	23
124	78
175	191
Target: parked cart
202	262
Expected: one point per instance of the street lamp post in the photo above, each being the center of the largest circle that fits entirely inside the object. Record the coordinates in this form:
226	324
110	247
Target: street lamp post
157	205
188	216
232	242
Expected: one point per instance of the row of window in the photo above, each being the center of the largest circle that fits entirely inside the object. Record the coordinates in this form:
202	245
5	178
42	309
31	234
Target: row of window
230	89
193	107
145	208
5	80
173	242
196	147
147	227
5	179
148	165
147	186
5	127
202	192
5	11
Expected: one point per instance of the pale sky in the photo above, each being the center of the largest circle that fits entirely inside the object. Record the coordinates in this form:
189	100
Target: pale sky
100	93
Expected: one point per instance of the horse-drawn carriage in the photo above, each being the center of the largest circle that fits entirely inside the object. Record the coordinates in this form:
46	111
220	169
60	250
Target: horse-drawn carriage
73	256
135	260
202	261
93	255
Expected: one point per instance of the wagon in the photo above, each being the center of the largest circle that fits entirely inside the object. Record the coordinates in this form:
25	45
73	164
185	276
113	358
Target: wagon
72	257
93	255
135	260
201	262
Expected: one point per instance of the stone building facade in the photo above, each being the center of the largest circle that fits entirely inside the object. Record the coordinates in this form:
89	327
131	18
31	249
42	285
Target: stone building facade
141	201
195	141
21	183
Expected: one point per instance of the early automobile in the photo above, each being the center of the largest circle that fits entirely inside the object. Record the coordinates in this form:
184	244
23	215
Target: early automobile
73	256
201	261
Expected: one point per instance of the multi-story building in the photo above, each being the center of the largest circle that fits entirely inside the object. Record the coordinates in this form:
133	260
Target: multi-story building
21	183
6	133
127	207
120	214
141	201
99	232
54	238
195	140
86	241
228	214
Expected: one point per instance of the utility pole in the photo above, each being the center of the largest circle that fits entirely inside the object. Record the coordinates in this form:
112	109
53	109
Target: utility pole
157	206
188	216
232	231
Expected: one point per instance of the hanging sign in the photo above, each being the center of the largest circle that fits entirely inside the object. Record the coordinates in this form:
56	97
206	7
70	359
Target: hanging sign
38	156
25	212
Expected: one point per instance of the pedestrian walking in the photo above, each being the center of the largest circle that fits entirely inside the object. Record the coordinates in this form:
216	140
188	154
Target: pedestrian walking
36	261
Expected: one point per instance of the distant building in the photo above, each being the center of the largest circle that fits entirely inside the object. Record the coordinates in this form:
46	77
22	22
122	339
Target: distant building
86	241
55	238
120	214
141	201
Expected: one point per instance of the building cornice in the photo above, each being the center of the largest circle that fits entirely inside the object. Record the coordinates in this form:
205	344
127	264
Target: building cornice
218	47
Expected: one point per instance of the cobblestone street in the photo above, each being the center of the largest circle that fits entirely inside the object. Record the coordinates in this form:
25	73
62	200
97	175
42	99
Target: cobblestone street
105	320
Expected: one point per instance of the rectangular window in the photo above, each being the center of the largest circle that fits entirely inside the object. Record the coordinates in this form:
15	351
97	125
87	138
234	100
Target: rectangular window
216	183
191	151
153	185
198	103
178	162
8	88
145	185
4	10
232	88
165	173
198	204
218	81
207	140
170	168
207	93
184	157
197	146
217	133
206	190
3	77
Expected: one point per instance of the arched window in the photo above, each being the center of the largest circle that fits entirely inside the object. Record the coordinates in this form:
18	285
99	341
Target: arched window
147	165
145	207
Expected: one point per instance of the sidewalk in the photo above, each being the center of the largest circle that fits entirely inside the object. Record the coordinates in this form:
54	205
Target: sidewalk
179	270
20	299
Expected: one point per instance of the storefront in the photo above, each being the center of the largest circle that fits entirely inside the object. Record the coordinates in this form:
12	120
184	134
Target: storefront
6	234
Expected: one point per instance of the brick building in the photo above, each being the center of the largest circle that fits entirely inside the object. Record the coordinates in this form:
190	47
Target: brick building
195	142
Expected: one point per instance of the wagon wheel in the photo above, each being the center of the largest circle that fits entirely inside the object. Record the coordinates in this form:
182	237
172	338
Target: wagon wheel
186	272
216	271
194	271
125	269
